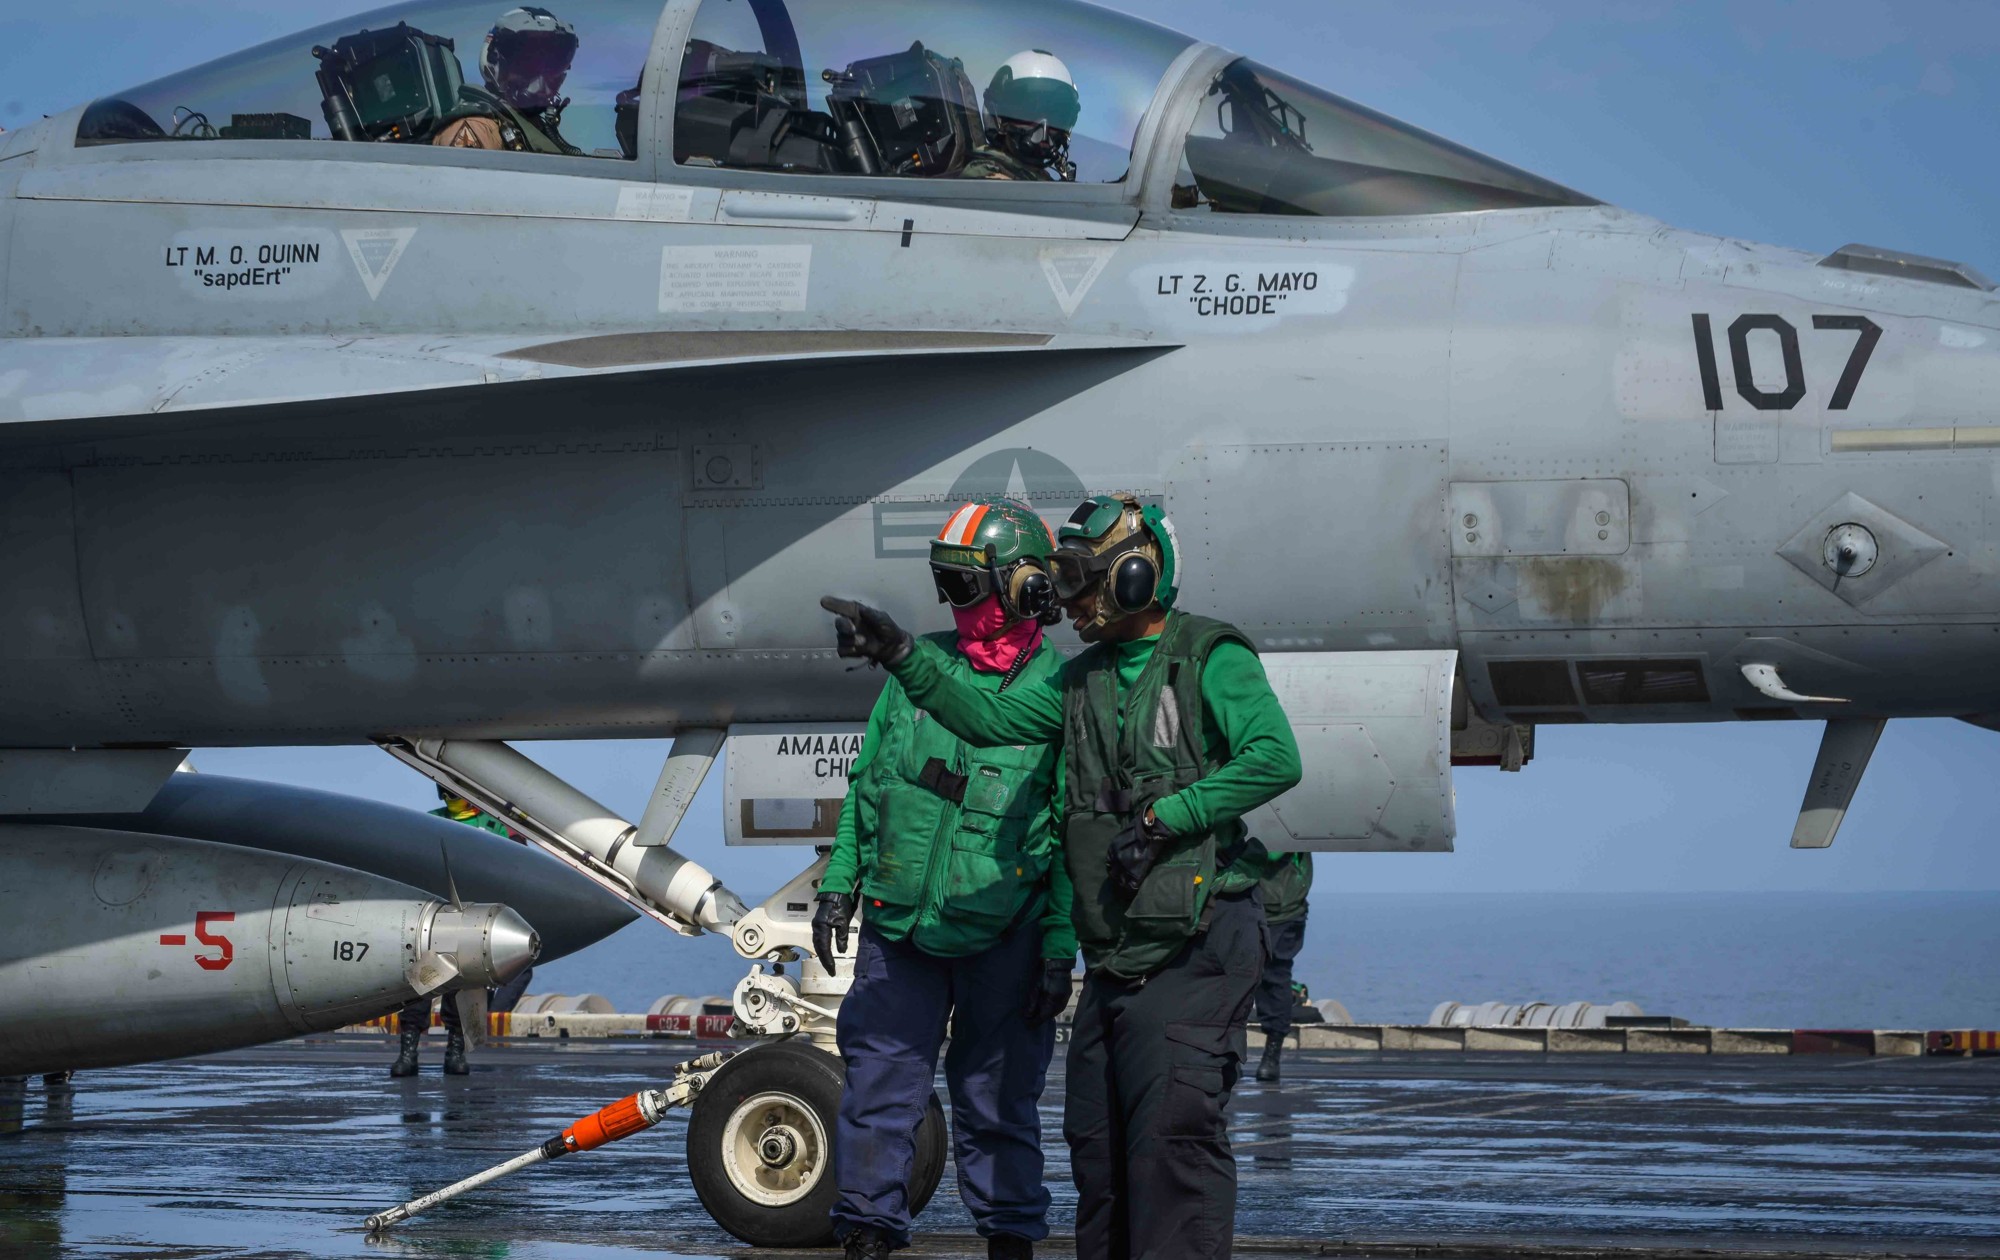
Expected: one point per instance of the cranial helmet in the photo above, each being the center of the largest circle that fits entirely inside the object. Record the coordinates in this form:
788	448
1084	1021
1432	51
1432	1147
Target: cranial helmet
996	547
1123	549
1033	104
527	57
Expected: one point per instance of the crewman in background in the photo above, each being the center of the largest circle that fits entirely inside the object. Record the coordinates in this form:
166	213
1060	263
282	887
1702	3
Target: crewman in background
415	1018
949	853
1170	733
1283	881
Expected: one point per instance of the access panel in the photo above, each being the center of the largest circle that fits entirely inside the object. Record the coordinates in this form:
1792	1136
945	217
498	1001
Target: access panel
784	781
1374	732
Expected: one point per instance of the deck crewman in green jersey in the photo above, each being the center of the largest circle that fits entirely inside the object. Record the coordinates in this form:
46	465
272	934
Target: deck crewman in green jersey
1283	880
1169	734
950	853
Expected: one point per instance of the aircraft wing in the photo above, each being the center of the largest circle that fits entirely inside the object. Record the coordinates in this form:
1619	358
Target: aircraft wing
60	381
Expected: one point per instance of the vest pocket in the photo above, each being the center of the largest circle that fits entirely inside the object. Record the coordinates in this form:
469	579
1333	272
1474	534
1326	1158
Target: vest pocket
1166	901
980	885
987	876
895	875
1166	894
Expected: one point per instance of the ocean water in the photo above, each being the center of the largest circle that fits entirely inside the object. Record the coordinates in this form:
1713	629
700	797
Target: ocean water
1753	960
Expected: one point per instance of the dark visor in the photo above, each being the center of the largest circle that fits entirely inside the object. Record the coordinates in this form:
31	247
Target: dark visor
961	588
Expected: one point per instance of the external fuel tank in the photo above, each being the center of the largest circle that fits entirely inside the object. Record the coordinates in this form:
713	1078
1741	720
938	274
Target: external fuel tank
128	948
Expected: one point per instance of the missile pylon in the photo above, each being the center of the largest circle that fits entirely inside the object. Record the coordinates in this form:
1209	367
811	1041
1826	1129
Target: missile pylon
634	1113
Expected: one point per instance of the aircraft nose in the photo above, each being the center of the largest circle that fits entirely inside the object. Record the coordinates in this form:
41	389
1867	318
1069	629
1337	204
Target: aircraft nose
491	944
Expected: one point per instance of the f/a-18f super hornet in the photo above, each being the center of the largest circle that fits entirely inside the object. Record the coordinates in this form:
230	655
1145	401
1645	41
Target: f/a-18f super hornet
455	374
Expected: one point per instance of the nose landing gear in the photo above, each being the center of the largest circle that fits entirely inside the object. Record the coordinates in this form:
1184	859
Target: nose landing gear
760	1145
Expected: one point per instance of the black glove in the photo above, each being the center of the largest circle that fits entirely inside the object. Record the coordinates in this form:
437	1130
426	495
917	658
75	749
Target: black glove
867	632
1134	850
1050	996
836	911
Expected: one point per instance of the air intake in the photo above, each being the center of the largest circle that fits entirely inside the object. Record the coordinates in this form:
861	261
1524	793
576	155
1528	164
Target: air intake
1891	262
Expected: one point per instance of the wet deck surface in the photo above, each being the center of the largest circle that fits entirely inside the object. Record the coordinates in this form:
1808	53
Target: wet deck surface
282	1152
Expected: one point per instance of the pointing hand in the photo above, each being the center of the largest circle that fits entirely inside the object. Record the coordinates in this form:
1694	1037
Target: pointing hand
867	632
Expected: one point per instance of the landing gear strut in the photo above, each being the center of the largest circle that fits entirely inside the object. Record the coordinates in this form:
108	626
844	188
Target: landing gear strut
761	1125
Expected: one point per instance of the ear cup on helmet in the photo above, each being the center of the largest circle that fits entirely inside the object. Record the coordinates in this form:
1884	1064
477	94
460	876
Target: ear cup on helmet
1133	581
1031	594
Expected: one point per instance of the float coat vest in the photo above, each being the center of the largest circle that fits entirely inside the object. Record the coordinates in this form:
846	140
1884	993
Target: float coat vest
1283	878
1124	753
955	841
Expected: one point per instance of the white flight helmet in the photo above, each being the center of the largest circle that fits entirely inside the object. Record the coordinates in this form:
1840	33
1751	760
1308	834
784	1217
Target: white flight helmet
1033	88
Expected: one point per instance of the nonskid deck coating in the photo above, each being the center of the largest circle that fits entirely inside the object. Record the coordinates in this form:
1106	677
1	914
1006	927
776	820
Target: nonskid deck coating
283	1151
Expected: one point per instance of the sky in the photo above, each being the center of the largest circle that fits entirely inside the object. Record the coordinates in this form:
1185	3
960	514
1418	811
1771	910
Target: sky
1807	123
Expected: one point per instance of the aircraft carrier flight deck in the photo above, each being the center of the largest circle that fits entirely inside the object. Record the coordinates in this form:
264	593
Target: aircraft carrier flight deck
282	1152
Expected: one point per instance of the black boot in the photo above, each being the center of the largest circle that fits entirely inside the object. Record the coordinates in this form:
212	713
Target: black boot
1009	1247
454	1051
411	1032
1267	1068
865	1244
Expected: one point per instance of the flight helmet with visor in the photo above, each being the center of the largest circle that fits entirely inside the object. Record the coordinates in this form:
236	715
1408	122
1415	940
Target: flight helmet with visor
1123	550
527	56
1031	107
995	547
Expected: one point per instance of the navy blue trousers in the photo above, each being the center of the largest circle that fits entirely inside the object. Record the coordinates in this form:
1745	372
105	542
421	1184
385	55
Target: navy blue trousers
892	1024
1274	991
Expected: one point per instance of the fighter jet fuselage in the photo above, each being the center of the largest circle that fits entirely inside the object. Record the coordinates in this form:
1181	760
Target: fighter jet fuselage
310	441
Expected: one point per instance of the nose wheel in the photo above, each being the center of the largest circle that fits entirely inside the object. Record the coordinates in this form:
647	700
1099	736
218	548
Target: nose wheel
760	1145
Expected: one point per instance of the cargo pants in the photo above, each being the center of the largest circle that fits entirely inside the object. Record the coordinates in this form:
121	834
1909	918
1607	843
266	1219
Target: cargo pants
1151	1067
892	1023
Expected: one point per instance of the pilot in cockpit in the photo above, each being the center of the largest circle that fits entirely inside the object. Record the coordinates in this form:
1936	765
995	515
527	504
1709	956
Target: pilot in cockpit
524	61
1031	105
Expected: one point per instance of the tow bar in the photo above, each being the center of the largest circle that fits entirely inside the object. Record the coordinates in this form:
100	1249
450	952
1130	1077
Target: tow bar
632	1114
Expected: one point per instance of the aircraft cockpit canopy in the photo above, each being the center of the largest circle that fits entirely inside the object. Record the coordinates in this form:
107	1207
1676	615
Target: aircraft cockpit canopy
1032	90
1265	143
560	78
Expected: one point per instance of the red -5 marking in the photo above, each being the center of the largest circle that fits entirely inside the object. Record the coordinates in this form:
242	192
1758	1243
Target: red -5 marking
202	919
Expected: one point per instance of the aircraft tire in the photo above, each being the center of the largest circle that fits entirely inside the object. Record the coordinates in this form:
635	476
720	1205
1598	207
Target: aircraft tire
760	1150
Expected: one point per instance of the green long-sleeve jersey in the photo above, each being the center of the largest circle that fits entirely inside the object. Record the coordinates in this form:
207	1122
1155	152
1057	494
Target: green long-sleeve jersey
1244	726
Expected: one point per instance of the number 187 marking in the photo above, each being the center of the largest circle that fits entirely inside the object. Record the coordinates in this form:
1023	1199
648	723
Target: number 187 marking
350	951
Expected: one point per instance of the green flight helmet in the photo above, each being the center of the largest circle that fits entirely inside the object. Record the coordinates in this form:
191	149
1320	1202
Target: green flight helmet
996	547
1126	550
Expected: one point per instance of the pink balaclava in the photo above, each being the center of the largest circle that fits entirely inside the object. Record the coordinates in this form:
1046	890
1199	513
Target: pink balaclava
987	638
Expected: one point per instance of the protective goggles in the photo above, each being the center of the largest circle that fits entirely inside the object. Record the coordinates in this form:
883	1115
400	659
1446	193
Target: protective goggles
1076	572
962	587
1126	577
1023	587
